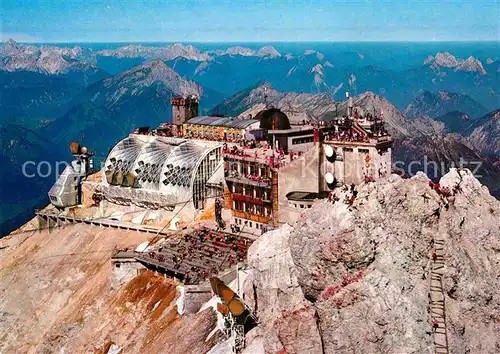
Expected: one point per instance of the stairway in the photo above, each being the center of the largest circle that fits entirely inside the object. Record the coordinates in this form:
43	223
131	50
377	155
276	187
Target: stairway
437	299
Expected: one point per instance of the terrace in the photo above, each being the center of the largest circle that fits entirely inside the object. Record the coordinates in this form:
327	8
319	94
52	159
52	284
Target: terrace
197	255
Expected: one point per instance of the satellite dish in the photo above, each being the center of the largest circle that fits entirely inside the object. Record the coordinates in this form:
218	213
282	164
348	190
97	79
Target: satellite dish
329	178
329	151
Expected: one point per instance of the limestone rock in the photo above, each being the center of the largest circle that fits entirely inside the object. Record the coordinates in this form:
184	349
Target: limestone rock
359	277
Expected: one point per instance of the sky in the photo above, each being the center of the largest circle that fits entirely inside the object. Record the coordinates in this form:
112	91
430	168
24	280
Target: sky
249	21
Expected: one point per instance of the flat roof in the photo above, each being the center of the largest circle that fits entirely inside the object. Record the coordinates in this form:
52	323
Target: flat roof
306	196
229	122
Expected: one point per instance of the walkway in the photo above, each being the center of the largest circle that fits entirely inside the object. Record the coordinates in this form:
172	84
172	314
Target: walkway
64	219
437	299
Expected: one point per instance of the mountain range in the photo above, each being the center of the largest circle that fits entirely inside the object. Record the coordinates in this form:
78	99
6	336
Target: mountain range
75	63
232	69
110	109
51	95
440	103
416	146
22	152
447	60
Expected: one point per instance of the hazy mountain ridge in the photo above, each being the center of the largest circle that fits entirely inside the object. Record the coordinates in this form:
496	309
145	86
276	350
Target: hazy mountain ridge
447	60
179	50
32	97
170	52
234	68
49	59
20	193
440	103
110	109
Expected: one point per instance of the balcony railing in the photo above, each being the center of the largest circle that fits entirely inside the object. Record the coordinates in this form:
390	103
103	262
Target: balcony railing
247	199
234	176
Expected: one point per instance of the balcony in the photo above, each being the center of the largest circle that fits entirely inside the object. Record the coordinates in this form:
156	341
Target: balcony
234	176
247	199
252	217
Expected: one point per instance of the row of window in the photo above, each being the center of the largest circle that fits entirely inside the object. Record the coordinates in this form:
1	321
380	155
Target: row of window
299	206
251	191
302	140
213	133
248	223
248	168
363	151
252	208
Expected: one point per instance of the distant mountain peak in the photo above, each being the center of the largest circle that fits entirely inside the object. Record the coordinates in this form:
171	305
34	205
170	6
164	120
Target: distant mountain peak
11	44
319	55
173	51
442	102
147	74
238	50
45	59
447	60
268	51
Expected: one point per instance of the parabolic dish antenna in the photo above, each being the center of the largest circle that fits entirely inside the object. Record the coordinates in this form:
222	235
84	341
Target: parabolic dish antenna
329	178
329	151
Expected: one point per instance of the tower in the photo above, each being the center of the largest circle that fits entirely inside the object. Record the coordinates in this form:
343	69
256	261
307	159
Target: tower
183	109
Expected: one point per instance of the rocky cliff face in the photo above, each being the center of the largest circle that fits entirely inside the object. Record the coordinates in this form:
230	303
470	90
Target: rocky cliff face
483	134
343	279
357	279
57	297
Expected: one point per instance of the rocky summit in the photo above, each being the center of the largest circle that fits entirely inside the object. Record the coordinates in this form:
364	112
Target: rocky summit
363	278
409	267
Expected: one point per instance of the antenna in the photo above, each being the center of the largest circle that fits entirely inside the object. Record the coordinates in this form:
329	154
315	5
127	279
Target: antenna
265	96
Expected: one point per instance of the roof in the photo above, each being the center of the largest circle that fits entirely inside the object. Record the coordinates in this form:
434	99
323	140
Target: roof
306	196
155	163
229	122
273	118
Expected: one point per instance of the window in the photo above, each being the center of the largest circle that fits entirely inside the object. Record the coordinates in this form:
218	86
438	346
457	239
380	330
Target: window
364	151
302	140
301	206
348	149
251	224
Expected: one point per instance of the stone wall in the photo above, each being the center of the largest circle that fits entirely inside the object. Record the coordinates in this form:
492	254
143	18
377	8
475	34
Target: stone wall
124	271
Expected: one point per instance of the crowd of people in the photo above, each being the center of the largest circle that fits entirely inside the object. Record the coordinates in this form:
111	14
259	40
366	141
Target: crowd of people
348	136
201	253
350	193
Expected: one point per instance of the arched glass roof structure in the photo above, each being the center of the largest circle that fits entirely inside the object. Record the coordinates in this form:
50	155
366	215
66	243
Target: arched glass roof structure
169	168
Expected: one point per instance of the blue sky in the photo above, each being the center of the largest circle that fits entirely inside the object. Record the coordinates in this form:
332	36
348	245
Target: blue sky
249	21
